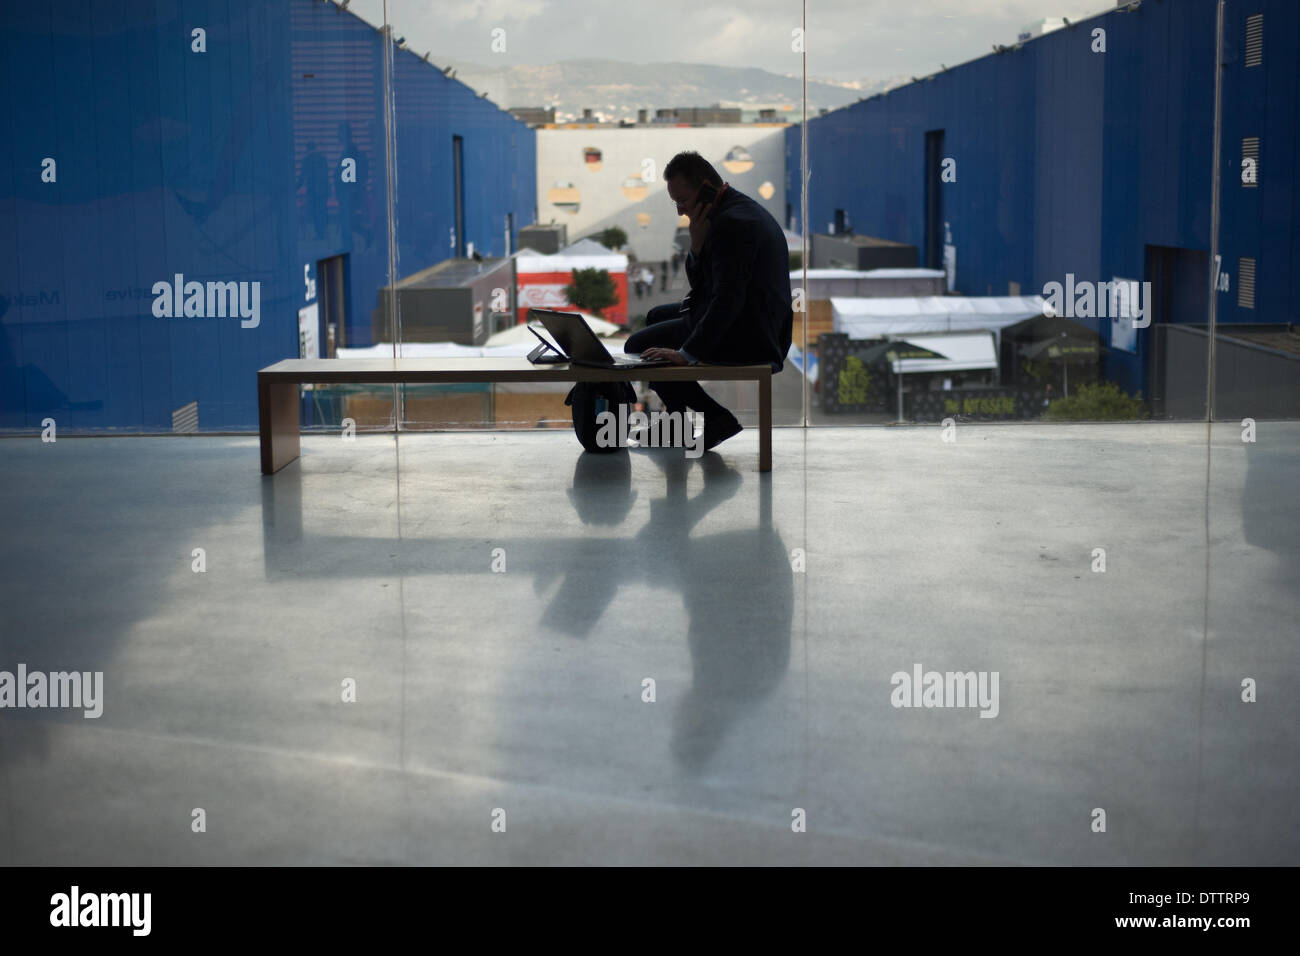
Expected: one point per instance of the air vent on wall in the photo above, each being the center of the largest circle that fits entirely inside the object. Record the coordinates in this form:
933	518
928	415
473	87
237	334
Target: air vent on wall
1255	40
1250	150
1246	283
186	418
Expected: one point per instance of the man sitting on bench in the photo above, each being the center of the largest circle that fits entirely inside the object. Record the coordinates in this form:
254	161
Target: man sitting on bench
738	311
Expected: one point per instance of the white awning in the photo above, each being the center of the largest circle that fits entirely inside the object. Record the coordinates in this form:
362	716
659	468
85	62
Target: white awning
964	352
864	318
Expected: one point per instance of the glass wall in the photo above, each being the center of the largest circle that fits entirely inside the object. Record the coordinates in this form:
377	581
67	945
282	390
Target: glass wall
1054	220
987	215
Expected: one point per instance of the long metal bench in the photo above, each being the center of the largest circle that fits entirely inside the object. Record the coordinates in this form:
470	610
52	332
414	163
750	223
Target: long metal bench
278	385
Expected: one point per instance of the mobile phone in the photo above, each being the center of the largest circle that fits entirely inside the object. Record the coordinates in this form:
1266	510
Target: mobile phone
708	193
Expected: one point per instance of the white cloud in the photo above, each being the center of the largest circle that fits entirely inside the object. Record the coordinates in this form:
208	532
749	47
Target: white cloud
485	12
847	39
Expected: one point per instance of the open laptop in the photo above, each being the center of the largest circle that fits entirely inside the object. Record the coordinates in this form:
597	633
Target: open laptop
580	345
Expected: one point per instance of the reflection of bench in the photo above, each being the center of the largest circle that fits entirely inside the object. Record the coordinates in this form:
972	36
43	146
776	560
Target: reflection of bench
278	384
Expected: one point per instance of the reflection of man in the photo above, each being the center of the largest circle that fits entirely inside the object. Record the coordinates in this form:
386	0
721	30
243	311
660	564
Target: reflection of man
315	175
354	197
740	645
738	311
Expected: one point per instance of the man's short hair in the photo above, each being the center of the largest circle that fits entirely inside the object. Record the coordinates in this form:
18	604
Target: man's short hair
692	168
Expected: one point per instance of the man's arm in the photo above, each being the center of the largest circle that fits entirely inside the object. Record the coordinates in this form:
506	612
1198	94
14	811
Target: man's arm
732	252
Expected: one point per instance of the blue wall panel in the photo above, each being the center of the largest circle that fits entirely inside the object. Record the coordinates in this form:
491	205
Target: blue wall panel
1260	223
498	158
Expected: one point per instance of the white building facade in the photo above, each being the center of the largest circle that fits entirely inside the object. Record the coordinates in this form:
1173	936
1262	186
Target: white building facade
599	176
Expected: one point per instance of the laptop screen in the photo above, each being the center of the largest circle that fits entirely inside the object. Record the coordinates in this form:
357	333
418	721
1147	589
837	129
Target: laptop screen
573	335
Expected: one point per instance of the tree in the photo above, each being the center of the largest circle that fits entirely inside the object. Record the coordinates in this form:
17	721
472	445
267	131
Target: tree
592	290
612	238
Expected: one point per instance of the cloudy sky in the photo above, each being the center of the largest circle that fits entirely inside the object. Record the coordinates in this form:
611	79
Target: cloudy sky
847	39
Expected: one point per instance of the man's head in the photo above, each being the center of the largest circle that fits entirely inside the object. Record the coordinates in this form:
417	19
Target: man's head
684	175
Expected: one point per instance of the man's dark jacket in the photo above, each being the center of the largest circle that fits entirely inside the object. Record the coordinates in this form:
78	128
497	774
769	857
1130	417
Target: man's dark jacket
739	308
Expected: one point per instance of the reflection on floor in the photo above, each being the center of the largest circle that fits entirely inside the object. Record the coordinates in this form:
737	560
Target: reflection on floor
640	658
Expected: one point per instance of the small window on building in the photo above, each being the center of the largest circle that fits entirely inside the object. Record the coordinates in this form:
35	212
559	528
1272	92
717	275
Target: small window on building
1246	283
1255	40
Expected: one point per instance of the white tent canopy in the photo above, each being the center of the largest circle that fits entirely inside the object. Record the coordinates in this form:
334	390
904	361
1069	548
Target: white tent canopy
586	247
436	350
518	334
564	261
455	350
863	318
869	274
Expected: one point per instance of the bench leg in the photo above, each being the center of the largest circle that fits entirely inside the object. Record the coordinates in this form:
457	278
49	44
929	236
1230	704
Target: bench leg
278	423
765	422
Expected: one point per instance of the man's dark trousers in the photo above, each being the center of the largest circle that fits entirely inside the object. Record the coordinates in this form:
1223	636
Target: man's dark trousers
663	329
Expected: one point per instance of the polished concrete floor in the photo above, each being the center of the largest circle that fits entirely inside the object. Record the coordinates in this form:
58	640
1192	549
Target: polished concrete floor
499	602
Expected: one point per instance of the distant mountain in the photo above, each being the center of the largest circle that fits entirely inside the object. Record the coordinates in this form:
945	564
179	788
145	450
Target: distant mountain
615	90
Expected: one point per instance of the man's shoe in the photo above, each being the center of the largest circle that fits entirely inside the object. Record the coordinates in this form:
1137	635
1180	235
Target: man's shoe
717	431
